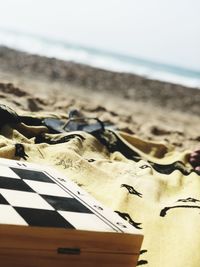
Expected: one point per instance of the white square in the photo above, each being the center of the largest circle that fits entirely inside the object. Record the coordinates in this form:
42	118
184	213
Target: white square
47	188
10	216
7	172
85	221
25	199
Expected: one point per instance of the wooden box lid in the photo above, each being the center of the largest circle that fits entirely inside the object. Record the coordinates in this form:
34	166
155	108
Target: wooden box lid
46	220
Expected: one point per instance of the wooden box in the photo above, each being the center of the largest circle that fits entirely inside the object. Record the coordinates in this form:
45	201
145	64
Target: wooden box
46	220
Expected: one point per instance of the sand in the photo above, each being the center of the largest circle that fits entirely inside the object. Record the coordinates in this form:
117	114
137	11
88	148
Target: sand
150	109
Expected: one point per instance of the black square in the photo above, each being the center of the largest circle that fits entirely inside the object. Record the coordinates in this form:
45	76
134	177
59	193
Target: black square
66	204
3	200
32	175
14	184
44	218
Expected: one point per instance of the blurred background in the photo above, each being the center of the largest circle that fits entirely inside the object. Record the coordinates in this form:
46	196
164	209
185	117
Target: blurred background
134	64
156	39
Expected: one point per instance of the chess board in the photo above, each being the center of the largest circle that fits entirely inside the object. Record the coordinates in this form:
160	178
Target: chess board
46	217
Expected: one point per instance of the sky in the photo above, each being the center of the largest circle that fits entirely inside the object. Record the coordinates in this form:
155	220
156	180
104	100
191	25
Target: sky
164	31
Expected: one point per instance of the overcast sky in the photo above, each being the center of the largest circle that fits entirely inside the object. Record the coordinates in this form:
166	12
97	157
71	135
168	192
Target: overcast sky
166	31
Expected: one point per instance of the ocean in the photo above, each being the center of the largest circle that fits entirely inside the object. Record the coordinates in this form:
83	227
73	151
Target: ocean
40	45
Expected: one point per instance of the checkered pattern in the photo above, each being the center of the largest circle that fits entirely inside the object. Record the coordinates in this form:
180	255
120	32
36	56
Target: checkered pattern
29	197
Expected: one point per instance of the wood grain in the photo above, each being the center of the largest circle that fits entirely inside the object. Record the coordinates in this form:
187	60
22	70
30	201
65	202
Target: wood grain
25	246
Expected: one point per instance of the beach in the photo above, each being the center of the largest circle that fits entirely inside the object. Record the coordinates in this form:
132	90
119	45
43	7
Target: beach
103	95
150	109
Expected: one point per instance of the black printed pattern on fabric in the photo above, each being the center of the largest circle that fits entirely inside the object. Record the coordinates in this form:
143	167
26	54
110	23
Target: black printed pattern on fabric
131	190
20	152
142	262
169	168
189	199
145	166
91	160
113	143
128	218
62	139
164	211
143	251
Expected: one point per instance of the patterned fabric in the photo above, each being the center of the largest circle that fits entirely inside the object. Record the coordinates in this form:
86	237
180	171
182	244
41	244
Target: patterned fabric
151	186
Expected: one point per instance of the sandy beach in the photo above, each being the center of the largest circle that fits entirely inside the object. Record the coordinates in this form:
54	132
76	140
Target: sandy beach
141	192
150	109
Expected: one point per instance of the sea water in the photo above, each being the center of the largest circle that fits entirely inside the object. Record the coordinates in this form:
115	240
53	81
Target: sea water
40	45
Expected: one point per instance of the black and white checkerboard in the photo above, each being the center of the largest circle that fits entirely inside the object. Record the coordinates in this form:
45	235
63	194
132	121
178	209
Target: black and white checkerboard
31	195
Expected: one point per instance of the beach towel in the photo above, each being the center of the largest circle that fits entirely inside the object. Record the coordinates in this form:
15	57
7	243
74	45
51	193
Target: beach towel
150	185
